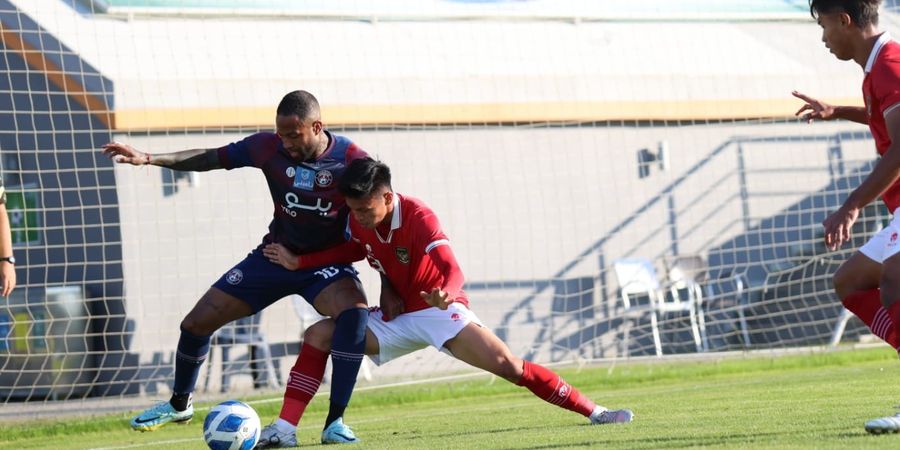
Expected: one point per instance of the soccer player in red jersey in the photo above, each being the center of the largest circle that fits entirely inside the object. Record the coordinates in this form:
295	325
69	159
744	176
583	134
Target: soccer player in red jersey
402	239
869	282
302	163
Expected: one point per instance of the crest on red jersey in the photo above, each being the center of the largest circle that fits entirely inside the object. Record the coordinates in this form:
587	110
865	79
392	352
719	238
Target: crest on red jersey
402	255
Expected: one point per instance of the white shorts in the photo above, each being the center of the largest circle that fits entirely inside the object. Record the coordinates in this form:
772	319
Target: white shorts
885	243
413	331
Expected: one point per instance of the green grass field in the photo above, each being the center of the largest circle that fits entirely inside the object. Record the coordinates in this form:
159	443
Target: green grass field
817	400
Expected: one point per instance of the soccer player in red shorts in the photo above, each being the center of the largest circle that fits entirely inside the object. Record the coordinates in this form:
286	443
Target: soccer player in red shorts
869	282
402	239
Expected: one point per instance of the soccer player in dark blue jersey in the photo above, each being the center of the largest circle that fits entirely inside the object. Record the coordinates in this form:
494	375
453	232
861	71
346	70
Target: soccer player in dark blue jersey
302	163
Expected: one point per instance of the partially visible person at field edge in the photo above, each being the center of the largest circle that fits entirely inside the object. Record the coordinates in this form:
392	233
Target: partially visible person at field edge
7	259
868	283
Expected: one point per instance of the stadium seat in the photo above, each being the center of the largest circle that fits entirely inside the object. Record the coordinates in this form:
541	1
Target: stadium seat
839	326
686	276
243	331
642	295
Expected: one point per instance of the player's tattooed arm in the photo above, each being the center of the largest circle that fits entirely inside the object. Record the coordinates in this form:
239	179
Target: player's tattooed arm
196	160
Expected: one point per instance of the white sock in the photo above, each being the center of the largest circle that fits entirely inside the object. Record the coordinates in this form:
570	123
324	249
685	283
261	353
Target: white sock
285	427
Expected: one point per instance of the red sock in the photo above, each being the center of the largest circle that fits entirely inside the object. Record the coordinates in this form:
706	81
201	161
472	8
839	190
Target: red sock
306	375
553	389
867	306
894	312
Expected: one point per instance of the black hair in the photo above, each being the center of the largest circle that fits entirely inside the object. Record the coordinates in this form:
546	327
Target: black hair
363	177
301	104
862	12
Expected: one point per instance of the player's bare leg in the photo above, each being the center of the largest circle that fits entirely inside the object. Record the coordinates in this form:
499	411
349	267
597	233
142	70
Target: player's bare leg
890	296
481	348
857	283
345	302
858	273
212	311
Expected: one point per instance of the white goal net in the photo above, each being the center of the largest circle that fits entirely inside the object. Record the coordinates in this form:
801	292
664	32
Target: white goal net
618	179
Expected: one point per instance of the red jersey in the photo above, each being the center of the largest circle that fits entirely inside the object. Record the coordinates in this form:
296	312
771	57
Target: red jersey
881	91
403	255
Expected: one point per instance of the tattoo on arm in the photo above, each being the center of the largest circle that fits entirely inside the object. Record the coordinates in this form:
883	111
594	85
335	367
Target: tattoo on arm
197	160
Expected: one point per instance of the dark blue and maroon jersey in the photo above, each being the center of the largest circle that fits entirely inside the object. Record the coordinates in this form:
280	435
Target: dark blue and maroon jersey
310	213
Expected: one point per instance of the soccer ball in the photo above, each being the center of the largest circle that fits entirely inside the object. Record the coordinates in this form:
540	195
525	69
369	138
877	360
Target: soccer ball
231	425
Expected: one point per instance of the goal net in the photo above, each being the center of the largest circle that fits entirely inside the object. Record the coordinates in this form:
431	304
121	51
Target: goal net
618	179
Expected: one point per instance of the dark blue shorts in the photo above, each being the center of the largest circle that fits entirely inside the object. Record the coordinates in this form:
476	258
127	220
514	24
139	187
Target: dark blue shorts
260	282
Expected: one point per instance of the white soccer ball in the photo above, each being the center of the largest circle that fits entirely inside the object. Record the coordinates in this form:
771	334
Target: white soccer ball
231	425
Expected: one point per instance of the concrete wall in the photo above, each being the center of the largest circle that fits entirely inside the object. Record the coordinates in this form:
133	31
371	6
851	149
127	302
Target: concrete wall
522	206
555	198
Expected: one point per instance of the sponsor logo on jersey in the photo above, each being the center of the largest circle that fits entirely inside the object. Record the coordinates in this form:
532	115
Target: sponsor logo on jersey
235	276
293	201
402	255
290	172
324	178
304	179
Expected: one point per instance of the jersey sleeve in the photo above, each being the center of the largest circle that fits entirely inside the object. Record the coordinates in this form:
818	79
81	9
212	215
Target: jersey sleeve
445	261
251	151
428	231
887	85
354	153
432	241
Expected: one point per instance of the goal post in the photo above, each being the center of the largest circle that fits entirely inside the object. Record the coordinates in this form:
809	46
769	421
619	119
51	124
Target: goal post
616	181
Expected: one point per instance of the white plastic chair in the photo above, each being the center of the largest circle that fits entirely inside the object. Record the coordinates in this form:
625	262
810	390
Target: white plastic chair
242	331
685	275
637	278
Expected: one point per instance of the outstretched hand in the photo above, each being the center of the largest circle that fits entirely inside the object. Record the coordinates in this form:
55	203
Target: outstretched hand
437	298
818	110
7	279
125	154
279	254
838	226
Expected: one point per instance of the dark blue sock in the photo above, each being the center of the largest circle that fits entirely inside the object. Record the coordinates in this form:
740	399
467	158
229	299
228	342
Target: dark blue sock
192	351
347	346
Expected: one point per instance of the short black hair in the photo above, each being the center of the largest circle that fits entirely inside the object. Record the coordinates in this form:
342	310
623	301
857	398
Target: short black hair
301	104
364	177
862	12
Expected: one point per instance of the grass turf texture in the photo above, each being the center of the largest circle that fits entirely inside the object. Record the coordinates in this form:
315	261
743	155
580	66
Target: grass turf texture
817	400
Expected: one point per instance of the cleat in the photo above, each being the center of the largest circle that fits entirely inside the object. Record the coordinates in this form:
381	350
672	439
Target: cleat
889	424
272	437
160	414
605	416
338	433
